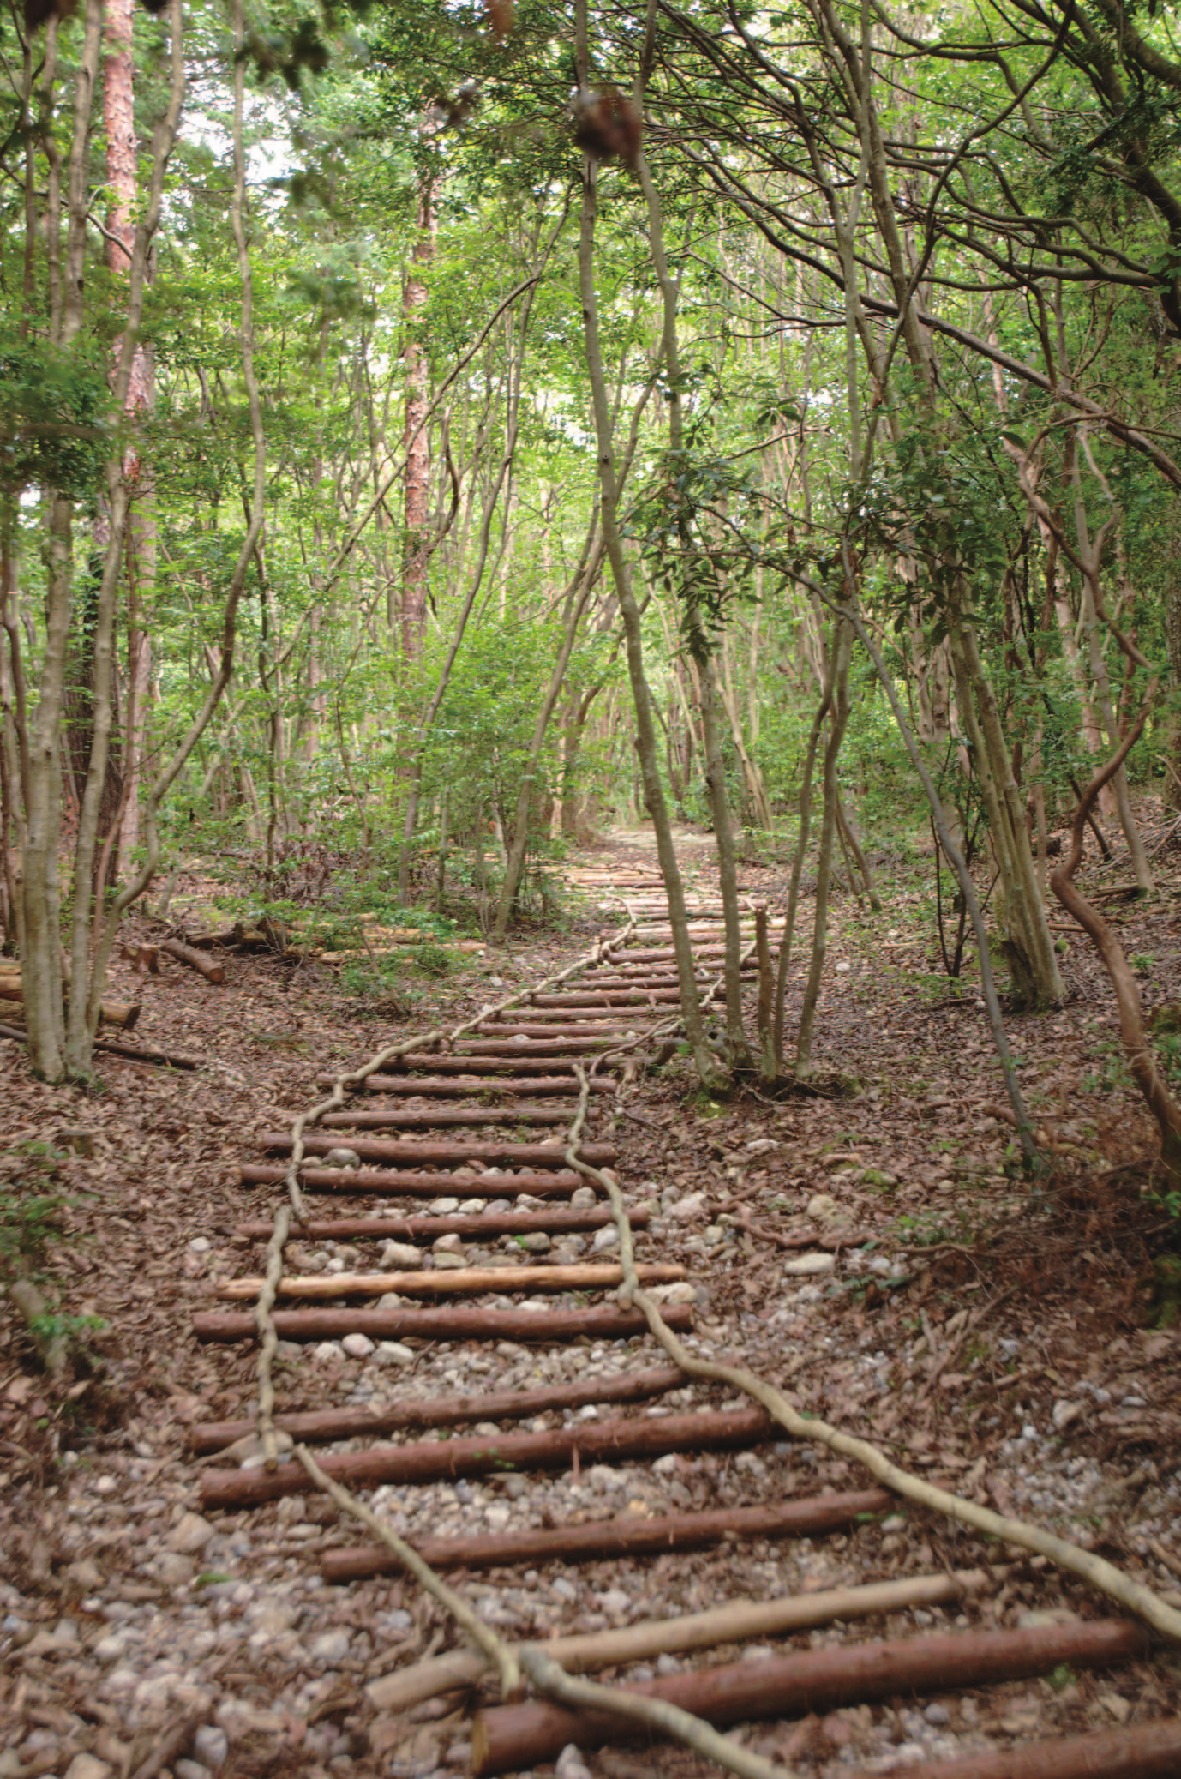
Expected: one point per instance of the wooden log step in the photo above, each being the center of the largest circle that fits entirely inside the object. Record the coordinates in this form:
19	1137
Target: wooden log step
737	1621
511	1738
1146	1751
627	1535
419	1118
455	1322
485	1065
563	1045
359	1182
608	999
459	1085
320	1424
665	953
466	1281
442	1460
408	1152
425	1229
550	1022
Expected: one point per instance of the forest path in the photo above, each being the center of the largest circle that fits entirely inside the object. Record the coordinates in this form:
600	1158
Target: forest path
257	1621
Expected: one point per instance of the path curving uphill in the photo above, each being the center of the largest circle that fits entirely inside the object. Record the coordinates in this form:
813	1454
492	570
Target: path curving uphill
452	1346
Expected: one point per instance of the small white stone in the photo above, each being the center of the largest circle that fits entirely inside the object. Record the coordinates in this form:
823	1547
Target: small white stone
106	1485
330	1647
689	1208
448	1261
190	1534
200	1244
810	1263
760	1145
607	1237
583	1198
325	1352
683	1291
443	1207
357	1346
570	1764
392	1352
87	1766
823	1208
342	1158
402	1255
190	1769
211	1745
615	1602
471	1207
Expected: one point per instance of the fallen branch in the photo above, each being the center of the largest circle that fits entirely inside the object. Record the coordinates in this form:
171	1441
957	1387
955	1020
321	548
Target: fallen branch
114	1047
382	1183
472	1223
511	1738
1146	1751
446	1411
468	1281
461	1322
442	1460
213	969
735	1622
627	1535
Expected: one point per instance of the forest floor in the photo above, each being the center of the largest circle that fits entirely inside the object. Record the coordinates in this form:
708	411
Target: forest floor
995	1338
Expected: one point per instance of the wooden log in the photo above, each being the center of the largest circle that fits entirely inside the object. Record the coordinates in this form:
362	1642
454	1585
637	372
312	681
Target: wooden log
359	1182
606	999
627	1535
420	1117
738	1620
459	1085
441	1460
425	1229
510	1738
589	1020
320	1424
453	1323
167	1059
563	1045
213	969
416	1154
540	1024
1146	1751
487	1065
467	1281
121	1013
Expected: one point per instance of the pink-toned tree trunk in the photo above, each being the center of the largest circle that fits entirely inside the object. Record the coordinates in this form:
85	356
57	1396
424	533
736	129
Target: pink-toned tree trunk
121	153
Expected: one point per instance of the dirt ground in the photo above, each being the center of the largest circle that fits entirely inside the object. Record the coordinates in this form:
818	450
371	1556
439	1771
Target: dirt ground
993	1334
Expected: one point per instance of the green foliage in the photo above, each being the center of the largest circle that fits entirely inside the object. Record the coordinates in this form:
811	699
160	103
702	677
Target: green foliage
54	418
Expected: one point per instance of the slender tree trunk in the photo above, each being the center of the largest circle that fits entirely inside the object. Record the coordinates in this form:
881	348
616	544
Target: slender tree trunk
715	781
576	602
416	366
629	612
837	720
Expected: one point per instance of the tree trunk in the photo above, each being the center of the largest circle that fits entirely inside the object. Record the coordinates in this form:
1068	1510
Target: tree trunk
416	365
629	611
838	717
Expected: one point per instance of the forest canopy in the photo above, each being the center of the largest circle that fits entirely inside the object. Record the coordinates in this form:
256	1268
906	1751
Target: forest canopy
431	432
